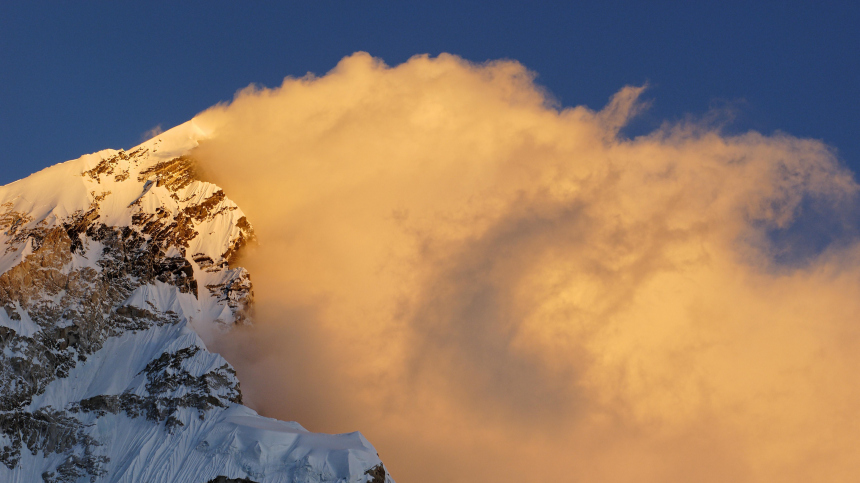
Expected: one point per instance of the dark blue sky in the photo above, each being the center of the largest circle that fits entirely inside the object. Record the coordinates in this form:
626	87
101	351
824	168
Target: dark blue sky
77	77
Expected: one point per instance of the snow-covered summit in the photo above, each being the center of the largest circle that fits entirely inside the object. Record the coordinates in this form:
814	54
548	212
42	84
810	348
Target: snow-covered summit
112	267
60	190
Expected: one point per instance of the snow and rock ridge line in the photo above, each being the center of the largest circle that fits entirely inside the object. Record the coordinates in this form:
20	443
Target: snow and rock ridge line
114	270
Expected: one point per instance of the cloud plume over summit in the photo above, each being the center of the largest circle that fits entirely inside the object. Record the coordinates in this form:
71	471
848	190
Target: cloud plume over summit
492	288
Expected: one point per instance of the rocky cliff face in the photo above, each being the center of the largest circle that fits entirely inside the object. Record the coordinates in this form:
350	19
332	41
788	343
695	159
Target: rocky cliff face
111	266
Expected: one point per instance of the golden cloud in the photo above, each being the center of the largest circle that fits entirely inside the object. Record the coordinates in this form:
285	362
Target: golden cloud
492	288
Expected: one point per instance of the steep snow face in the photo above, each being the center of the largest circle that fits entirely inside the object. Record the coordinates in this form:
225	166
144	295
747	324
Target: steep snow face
114	270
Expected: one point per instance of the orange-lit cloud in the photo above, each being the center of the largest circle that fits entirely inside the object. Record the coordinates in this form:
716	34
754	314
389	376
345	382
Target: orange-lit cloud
492	289
151	133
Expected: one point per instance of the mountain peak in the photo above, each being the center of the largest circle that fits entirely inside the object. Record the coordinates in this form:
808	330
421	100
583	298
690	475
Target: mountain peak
114	270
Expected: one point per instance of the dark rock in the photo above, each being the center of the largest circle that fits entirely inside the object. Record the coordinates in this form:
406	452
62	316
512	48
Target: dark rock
377	474
224	479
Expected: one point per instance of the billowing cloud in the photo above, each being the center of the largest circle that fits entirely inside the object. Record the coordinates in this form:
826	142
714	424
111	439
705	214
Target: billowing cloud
151	133
492	288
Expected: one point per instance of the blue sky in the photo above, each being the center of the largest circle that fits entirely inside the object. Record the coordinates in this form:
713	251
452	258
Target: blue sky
80	77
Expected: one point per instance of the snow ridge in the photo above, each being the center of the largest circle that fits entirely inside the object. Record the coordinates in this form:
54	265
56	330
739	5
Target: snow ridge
114	270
